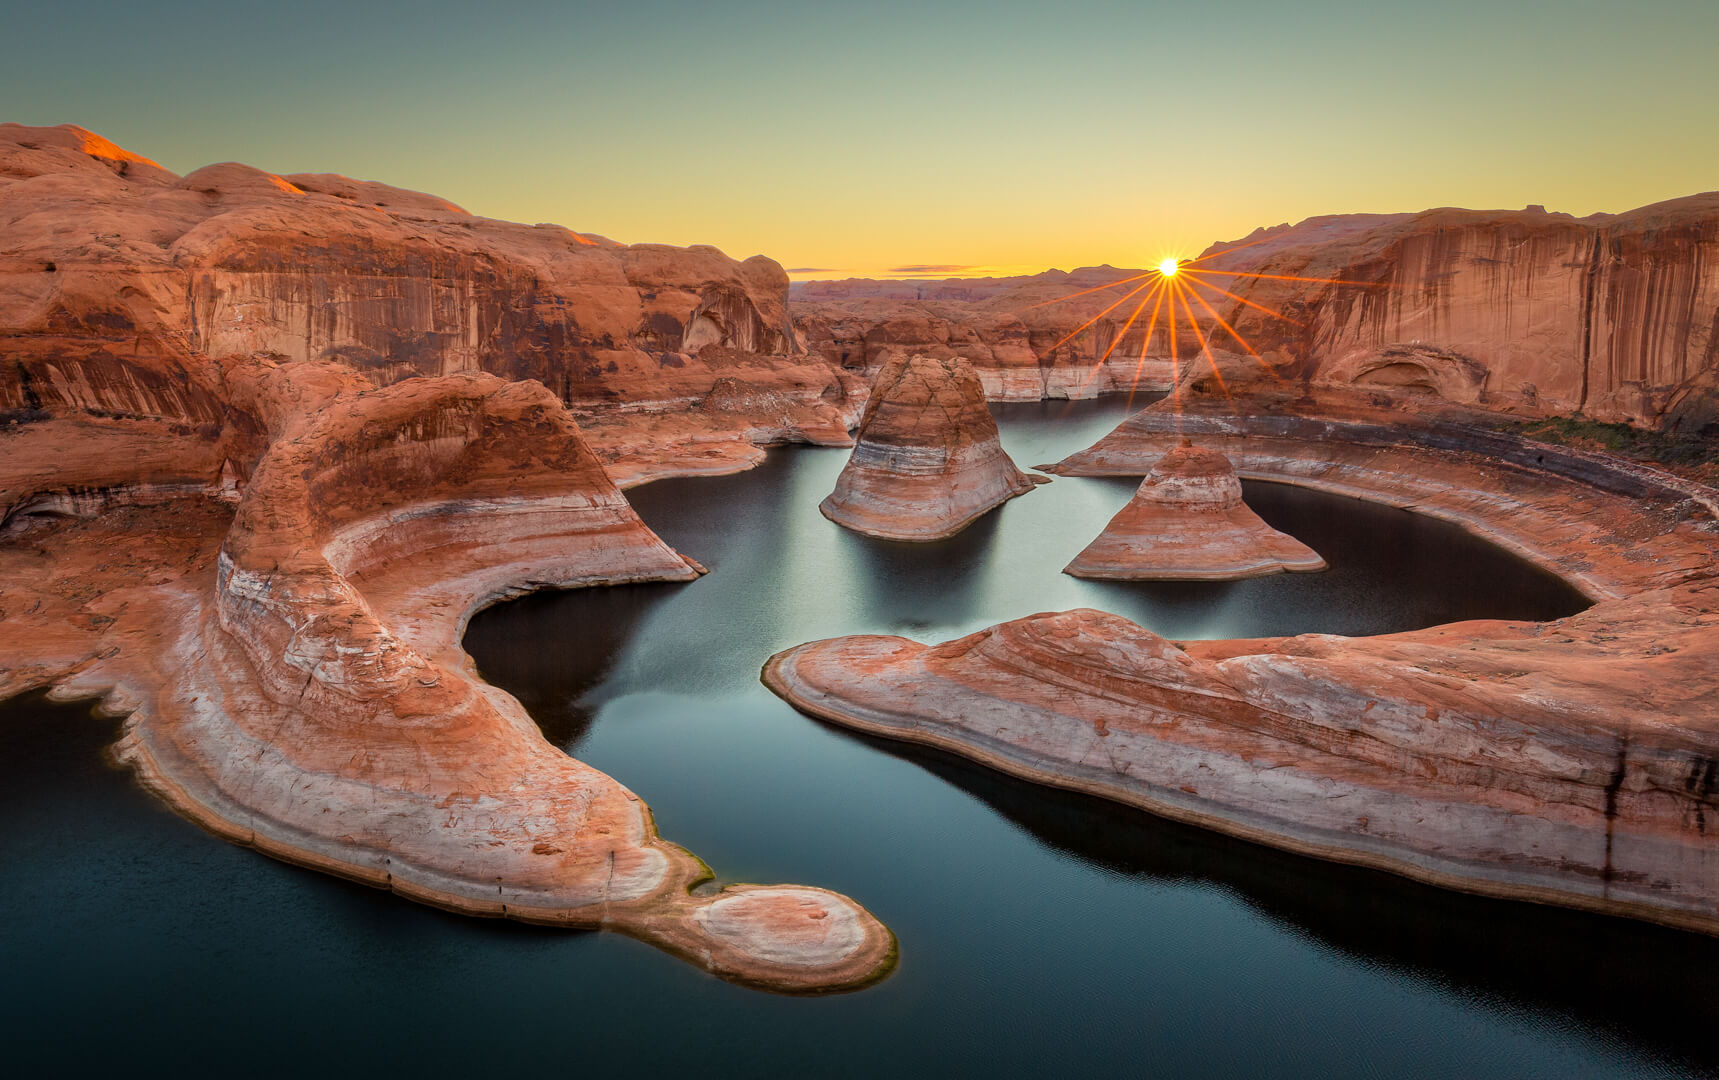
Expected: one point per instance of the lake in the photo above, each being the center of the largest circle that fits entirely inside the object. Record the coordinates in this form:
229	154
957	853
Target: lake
1041	931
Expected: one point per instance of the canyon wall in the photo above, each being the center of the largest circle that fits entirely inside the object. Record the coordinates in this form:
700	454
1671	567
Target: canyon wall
1613	317
1017	333
127	293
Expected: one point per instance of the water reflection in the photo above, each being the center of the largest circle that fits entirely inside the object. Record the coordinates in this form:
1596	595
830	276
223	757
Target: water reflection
550	653
921	584
1646	984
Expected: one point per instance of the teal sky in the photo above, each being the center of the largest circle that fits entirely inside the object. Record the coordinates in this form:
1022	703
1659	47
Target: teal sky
861	138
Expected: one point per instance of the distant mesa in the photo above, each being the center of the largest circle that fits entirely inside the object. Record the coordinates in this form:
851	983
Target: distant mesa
927	461
931	268
1187	522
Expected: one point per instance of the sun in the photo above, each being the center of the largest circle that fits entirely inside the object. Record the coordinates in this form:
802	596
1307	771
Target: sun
1172	290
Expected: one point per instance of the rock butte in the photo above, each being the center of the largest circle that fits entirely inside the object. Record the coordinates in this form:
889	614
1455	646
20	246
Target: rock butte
1574	762
259	466
1187	522
927	461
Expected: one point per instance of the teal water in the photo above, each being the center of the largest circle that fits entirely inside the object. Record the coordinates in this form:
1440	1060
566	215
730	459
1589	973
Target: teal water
1041	932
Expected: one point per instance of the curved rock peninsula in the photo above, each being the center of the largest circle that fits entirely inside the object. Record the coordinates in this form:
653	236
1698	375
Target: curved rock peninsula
1187	522
927	461
316	704
1574	762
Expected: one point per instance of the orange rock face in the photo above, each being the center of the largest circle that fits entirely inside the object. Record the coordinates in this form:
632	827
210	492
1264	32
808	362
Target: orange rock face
120	283
1569	762
927	462
1187	522
1610	316
266	443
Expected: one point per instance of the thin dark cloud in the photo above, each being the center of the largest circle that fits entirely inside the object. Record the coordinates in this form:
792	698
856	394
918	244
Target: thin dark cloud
811	270
931	268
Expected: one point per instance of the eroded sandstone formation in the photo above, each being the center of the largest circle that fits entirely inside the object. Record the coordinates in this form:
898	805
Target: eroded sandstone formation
266	443
309	697
1570	762
1613	316
1187	522
927	461
124	287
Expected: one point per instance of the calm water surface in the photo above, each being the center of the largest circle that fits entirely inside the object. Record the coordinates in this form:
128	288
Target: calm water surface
1041	932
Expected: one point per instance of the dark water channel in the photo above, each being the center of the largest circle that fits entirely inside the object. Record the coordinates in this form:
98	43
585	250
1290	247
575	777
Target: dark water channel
1042	933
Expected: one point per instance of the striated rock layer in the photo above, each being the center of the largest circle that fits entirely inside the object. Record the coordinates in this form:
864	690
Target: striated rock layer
125	290
302	690
1574	762
1611	316
267	442
927	461
1614	316
1187	522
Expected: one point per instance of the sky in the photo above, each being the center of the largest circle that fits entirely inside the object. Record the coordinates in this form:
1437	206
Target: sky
860	139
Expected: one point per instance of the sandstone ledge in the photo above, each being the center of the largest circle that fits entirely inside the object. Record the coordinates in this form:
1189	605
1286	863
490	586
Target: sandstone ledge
1570	762
299	685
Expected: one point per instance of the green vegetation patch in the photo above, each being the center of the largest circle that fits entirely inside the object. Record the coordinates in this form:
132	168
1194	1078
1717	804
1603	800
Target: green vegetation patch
1687	451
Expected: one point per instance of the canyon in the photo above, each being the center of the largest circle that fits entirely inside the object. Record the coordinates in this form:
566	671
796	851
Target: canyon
1612	316
268	442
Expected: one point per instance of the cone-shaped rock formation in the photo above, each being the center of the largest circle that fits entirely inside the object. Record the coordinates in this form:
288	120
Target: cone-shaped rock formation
927	462
1187	522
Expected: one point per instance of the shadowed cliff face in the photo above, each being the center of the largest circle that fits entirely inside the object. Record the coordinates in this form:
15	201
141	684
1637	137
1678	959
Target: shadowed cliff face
1615	317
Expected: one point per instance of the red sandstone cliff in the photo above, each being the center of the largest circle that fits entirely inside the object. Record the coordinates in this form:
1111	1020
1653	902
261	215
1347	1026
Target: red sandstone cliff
125	289
1611	316
1615	317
